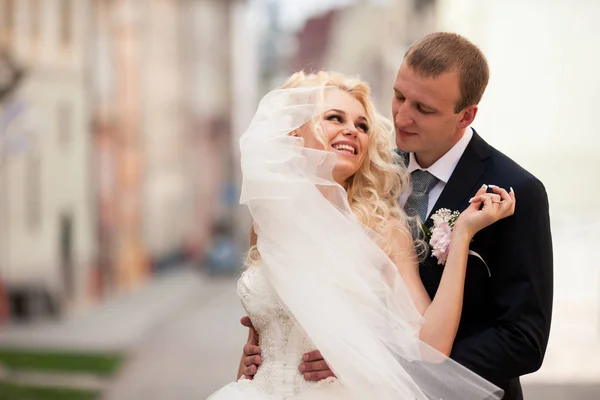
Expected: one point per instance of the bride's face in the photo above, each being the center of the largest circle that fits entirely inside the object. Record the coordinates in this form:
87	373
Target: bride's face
345	131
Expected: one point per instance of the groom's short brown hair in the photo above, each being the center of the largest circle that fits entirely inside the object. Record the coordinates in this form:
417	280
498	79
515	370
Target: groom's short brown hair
441	52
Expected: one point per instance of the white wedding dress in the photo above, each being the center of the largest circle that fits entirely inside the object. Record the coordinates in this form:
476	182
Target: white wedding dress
323	281
282	346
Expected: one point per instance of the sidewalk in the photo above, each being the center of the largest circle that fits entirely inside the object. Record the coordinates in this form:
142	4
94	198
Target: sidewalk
118	324
192	355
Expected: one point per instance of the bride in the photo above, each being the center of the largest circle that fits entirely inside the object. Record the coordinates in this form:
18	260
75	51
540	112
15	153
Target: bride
333	265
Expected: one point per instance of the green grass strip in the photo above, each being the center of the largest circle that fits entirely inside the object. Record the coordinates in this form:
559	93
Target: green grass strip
104	364
9	391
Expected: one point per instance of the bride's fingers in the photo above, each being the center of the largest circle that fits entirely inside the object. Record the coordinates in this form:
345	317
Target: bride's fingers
501	192
513	197
508	200
487	203
494	198
481	190
475	200
508	207
506	196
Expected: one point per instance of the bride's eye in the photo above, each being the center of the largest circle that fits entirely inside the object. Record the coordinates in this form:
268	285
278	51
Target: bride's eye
363	127
335	117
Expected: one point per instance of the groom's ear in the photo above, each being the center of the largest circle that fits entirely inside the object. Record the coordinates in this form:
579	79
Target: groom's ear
468	116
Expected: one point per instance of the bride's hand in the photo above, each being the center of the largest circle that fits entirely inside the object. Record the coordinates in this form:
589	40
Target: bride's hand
497	205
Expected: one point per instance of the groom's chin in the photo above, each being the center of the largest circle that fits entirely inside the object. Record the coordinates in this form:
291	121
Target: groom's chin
404	147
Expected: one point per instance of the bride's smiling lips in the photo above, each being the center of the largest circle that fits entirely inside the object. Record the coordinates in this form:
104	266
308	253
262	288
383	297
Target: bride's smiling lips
345	147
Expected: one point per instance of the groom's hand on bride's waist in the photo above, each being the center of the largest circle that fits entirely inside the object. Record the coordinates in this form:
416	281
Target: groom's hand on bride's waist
314	367
252	358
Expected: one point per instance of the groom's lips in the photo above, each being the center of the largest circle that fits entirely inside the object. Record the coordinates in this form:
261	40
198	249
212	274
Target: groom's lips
404	134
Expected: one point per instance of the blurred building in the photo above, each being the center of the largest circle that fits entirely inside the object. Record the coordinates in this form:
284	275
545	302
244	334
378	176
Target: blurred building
46	226
118	139
116	90
366	39
165	86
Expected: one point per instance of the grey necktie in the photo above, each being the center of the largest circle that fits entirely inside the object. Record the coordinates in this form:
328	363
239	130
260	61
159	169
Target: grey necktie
418	201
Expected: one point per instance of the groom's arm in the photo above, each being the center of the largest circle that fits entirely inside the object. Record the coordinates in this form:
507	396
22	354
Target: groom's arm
522	274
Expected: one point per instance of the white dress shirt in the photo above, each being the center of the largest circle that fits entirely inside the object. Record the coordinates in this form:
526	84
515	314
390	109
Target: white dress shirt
441	169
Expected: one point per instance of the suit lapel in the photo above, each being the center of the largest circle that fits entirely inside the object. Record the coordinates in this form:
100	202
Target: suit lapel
464	181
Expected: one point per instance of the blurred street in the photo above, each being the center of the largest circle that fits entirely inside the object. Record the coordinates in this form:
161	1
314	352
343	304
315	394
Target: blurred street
195	351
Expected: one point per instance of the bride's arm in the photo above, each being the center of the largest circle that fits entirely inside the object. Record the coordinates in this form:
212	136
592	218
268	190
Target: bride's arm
442	314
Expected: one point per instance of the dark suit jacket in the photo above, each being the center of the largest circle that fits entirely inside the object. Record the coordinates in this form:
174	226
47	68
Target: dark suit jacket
505	321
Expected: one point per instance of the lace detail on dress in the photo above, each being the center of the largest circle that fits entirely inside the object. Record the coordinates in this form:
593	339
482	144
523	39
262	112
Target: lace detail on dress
282	343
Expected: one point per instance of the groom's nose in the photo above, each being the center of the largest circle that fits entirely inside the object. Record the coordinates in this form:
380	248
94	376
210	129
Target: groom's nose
403	118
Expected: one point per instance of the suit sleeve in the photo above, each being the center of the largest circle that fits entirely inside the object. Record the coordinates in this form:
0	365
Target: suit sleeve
522	287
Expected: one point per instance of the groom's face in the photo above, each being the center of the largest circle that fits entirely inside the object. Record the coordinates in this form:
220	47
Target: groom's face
424	114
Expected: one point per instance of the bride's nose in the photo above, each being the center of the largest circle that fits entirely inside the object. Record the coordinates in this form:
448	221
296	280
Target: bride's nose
350	131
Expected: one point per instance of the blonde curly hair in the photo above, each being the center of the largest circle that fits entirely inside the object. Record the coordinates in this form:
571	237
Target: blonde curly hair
373	191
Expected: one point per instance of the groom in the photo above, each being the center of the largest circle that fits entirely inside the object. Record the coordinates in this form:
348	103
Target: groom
506	313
